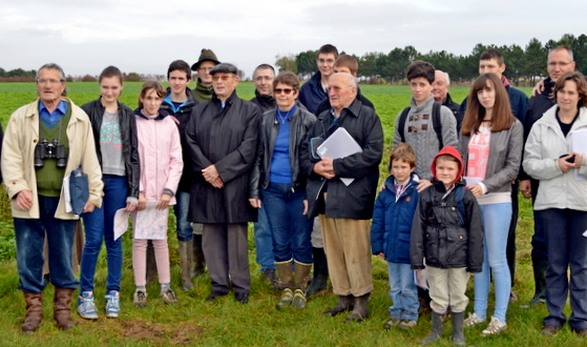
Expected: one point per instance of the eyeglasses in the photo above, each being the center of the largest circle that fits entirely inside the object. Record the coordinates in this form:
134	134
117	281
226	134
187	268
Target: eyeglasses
286	91
49	81
205	68
224	78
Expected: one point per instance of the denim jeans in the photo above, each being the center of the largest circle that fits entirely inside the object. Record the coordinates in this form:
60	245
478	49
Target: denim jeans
181	208
496	223
403	292
263	241
567	248
290	228
99	225
30	235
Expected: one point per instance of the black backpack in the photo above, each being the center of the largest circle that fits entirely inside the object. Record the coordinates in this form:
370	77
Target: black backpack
436	123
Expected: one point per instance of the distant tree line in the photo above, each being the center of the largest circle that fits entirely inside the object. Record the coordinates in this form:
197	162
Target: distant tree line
20	75
523	65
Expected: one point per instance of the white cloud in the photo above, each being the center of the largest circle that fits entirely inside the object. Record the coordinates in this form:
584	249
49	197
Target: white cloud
145	36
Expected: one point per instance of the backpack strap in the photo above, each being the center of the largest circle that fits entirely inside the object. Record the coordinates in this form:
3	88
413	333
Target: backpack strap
437	124
458	200
402	123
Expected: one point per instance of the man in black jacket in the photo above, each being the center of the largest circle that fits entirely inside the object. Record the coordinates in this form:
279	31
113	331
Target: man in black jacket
263	77
560	61
440	93
222	140
345	208
179	102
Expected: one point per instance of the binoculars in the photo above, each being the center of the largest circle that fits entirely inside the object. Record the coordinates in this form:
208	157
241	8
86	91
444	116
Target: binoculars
50	150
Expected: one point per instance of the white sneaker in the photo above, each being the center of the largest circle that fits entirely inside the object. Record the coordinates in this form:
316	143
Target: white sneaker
495	327
472	320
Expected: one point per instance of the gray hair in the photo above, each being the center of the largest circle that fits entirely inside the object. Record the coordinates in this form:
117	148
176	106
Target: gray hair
562	48
445	76
51	66
352	80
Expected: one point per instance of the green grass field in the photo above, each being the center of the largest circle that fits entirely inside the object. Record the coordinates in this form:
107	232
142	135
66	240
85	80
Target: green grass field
226	323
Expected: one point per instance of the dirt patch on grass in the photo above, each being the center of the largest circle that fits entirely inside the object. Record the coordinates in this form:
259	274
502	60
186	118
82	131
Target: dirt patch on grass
177	334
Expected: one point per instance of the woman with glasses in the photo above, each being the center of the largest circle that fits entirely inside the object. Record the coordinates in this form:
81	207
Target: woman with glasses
553	157
278	183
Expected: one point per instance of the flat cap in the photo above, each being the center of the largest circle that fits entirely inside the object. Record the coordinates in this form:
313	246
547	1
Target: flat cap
225	68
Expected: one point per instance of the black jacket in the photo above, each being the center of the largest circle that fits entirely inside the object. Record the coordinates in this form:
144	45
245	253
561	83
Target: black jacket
227	138
264	102
356	200
183	116
128	132
440	234
301	122
454	107
537	106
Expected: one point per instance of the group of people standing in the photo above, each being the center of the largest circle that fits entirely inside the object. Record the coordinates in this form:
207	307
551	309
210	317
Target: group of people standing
498	135
449	205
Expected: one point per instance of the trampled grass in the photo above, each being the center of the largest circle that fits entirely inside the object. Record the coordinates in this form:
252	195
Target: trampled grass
195	322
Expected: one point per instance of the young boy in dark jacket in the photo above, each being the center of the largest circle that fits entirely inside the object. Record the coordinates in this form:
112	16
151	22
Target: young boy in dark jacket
390	235
447	232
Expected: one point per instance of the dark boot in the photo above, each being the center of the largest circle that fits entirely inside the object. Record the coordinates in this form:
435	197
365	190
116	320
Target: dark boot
320	276
62	308
301	282
199	260
437	329
285	276
34	312
345	303
539	267
360	311
185	260
151	264
458	336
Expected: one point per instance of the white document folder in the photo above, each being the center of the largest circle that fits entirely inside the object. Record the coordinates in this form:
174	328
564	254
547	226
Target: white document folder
339	145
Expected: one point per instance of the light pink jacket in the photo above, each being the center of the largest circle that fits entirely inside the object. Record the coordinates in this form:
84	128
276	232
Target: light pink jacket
160	156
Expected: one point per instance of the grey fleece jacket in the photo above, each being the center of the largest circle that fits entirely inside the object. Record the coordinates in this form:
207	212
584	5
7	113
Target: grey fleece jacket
422	136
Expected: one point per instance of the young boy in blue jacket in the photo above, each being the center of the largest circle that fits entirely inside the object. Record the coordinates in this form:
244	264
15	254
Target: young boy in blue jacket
390	235
447	232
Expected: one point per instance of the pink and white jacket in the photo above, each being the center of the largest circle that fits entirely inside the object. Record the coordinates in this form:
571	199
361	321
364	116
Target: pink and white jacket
160	155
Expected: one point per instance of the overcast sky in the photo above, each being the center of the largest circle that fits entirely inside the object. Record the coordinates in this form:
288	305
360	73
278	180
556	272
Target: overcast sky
145	36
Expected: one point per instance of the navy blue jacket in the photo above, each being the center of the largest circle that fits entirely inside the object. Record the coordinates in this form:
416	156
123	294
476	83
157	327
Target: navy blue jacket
391	227
312	93
182	115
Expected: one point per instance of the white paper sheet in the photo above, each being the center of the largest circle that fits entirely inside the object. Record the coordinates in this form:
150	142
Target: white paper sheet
339	145
120	222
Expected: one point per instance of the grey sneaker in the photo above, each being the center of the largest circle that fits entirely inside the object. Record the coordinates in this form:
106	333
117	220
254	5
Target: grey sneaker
168	296
392	322
140	298
407	324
